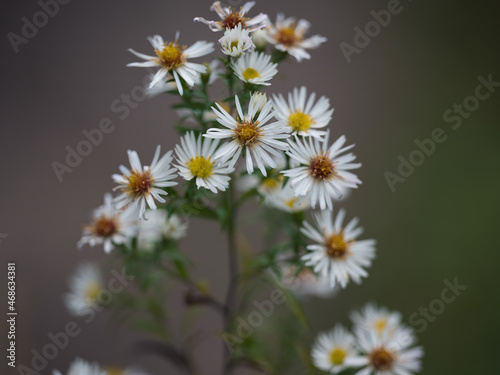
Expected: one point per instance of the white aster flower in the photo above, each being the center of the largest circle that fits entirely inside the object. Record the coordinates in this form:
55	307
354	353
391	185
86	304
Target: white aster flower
171	57
159	226
306	283
142	185
336	253
109	226
231	18
195	156
250	132
85	287
288	35
322	171
81	367
394	355
334	351
236	42
283	198
255	68
303	115
376	319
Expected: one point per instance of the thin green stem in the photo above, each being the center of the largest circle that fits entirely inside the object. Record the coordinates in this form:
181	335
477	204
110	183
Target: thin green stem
233	271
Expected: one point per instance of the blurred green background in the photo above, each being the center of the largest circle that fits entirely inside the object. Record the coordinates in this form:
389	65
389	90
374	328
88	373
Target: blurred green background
441	223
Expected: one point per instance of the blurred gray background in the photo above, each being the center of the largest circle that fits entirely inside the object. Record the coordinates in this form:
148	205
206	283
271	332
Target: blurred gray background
441	223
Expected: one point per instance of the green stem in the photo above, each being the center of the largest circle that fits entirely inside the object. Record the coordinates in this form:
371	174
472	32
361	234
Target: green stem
233	272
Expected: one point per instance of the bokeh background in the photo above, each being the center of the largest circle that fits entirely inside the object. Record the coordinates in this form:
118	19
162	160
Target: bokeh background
441	223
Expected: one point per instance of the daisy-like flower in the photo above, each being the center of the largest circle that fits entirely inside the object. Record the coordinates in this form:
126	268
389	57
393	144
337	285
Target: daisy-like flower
85	287
255	68
142	185
306	283
158	226
195	156
236	42
109	226
322	171
81	367
376	319
337	254
172	57
231	18
288	35
334	351
283	198
394	355
303	115
250	132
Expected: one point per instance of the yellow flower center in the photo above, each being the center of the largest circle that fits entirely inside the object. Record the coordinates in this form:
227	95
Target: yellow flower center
171	55
113	371
247	134
322	168
234	44
288	37
381	359
92	291
104	227
201	167
336	246
250	73
271	183
380	325
292	202
300	121
139	183
337	356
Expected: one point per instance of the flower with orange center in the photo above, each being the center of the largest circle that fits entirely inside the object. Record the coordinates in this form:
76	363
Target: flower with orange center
172	57
250	132
231	18
323	174
109	226
288	35
336	253
142	185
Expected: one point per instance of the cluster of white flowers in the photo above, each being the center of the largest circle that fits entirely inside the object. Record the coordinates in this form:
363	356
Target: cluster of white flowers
379	345
289	163
82	367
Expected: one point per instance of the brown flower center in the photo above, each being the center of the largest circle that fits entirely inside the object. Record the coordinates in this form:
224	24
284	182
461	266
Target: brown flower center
104	227
247	134
171	55
322	168
336	246
288	37
381	359
232	20
139	183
